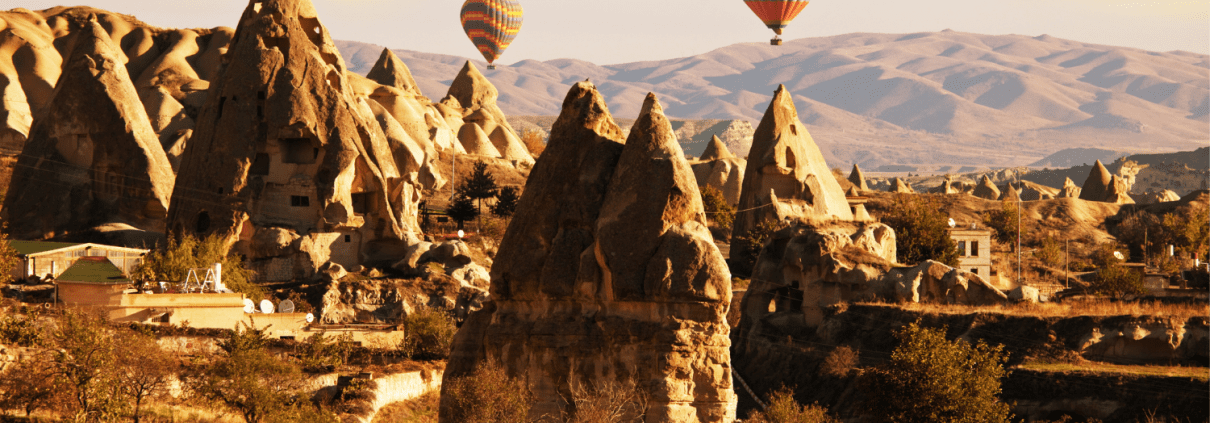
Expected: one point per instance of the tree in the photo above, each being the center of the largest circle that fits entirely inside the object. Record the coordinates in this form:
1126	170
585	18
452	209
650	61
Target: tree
84	361
172	261
1111	277
480	186
1004	223
718	212
749	245
486	395
8	256
29	384
930	379
1189	228
533	142
252	382
783	408
144	369
462	209
506	202
922	230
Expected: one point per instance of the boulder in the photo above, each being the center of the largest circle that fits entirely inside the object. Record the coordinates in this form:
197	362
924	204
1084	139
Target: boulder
92	156
622	283
1152	197
287	140
785	164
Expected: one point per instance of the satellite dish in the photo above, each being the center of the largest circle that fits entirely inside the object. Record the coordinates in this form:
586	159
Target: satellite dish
286	306
310	317
1119	255
266	307
952	222
249	306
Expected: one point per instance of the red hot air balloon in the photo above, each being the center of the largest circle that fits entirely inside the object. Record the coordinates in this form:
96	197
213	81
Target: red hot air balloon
491	25
776	14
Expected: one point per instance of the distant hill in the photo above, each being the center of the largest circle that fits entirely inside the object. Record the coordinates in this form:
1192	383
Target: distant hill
948	98
1078	156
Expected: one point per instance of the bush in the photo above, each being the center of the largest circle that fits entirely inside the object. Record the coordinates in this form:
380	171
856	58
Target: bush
748	246
487	395
1050	252
718	212
930	379
782	408
839	363
606	401
1003	223
322	353
1111	278
428	334
172	262
8	256
21	331
534	143
921	228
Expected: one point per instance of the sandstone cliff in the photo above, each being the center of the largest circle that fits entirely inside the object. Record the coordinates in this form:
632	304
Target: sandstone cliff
621	281
92	157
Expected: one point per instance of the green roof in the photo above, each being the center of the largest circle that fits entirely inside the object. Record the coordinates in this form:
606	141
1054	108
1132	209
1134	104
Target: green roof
35	247
94	270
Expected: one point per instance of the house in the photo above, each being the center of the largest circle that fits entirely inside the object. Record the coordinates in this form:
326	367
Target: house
974	250
39	259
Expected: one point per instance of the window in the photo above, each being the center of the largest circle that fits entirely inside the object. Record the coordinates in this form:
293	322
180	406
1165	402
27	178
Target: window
975	271
974	248
298	151
962	249
300	201
348	238
362	202
260	165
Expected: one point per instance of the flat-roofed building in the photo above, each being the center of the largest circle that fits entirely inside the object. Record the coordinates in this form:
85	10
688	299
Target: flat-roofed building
39	259
974	250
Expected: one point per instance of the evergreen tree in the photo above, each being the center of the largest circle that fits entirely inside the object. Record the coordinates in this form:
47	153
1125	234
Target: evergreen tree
506	202
480	186
462	209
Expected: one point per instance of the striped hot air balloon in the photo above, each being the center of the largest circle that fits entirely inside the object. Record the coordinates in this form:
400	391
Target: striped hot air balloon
491	25
776	14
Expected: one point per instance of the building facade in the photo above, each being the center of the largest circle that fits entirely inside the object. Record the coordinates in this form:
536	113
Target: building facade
40	259
974	250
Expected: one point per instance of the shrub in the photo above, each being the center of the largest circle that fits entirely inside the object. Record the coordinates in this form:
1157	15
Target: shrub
21	331
1111	278
783	408
322	353
721	214
171	262
487	395
428	334
534	143
8	256
750	244
921	228
839	363
1003	223
606	401
1050	252
930	379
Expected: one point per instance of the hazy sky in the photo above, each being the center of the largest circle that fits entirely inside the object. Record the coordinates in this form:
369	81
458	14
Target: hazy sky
617	31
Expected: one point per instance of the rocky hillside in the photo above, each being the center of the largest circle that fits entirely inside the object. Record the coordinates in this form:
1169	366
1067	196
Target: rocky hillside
938	98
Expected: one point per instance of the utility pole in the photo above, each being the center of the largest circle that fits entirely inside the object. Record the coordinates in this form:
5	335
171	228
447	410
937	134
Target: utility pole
1019	276
1067	262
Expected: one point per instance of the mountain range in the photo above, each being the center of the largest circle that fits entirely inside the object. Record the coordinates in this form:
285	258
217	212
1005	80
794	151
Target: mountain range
933	98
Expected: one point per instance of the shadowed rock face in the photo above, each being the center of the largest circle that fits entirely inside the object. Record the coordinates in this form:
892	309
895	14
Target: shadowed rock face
608	272
283	143
720	169
787	173
92	156
986	189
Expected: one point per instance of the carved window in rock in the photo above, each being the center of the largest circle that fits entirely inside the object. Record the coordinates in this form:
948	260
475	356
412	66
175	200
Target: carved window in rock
298	150
363	202
203	222
260	165
300	201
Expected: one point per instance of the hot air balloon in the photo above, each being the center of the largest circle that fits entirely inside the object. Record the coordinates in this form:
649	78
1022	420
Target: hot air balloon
491	25
776	14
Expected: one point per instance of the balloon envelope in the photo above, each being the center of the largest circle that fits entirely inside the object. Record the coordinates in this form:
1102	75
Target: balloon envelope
776	14
491	25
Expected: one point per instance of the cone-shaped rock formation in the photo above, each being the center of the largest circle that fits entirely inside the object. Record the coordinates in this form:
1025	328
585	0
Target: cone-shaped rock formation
92	156
391	71
1070	189
901	187
720	169
785	163
1097	185
858	179
986	189
477	96
1010	193
283	145
625	260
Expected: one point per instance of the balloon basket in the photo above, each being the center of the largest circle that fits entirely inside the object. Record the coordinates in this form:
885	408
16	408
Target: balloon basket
491	66
775	42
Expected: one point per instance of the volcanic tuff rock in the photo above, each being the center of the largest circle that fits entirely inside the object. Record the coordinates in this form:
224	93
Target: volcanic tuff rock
805	268
92	157
391	72
1153	197
283	144
1069	190
622	281
477	96
858	179
720	169
787	167
1010	193
900	186
986	189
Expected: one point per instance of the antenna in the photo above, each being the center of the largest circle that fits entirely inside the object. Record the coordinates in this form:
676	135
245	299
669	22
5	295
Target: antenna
266	307
249	306
286	306
310	317
952	222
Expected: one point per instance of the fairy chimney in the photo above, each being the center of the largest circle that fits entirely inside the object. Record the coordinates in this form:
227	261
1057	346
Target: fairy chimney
986	189
858	179
720	169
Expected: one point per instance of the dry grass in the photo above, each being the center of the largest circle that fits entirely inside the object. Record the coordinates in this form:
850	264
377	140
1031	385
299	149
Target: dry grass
534	142
1199	373
1068	309
422	409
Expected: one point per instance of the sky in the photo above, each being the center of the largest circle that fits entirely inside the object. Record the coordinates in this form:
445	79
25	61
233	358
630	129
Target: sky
620	31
